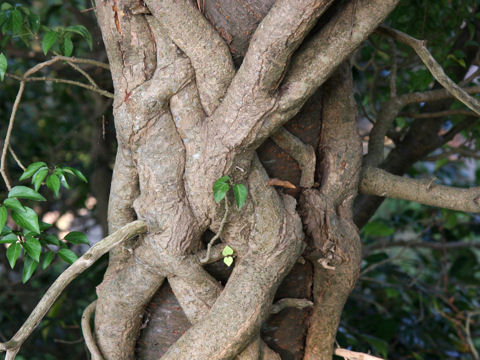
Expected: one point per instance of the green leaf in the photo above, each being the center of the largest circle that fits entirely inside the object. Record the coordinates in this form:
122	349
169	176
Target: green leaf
79	174
48	40
13	203
52	239
29	266
379	345
240	194
33	248
223	179
47	259
15	21
227	251
82	31
9	239
34	22
53	183
228	260
63	182
5	6
220	188
24	192
3	66
67	255
45	226
3	216
32	169
219	191
377	228
13	252
38	178
76	237
27	219
67	46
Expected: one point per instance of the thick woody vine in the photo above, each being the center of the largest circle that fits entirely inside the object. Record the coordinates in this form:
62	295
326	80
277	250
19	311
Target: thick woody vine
273	82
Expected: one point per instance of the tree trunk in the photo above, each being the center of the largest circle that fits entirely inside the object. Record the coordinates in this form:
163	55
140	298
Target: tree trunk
185	116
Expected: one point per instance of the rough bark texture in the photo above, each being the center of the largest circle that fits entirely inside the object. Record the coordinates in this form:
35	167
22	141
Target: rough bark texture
184	117
328	214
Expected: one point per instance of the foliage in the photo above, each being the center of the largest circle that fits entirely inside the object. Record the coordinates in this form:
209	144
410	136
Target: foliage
30	235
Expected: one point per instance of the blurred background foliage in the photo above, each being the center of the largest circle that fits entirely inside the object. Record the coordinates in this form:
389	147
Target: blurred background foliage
419	288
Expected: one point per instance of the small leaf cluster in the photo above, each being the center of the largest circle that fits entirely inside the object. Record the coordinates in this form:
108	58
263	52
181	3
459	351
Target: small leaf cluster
227	255
222	186
19	22
30	235
39	172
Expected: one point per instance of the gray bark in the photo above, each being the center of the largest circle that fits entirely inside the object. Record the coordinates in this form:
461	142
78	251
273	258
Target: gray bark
184	117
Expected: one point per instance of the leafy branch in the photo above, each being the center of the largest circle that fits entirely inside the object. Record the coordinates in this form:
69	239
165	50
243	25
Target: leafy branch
30	235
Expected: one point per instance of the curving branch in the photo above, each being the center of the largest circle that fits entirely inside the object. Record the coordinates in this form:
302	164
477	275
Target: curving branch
378	182
87	332
195	36
252	94
354	355
289	303
80	265
313	64
304	154
435	69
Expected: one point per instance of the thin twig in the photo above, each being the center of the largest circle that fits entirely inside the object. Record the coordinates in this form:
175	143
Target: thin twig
288	303
15	157
439	114
79	266
217	235
84	73
6	143
64	81
353	355
469	335
435	69
87	332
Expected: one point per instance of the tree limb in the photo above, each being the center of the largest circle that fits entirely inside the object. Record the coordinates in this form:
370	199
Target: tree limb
435	69
251	94
313	64
195	36
80	265
381	183
354	355
288	303
87	332
304	154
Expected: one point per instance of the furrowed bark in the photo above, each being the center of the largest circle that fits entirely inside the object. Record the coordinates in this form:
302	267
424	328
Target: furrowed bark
275	242
318	57
145	77
328	214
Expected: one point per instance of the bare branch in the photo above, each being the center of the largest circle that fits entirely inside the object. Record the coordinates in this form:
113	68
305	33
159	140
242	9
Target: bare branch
195	36
16	158
319	57
87	332
288	303
217	235
353	355
64	81
88	259
433	95
421	244
439	114
381	183
6	143
432	65
276	38
304	154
